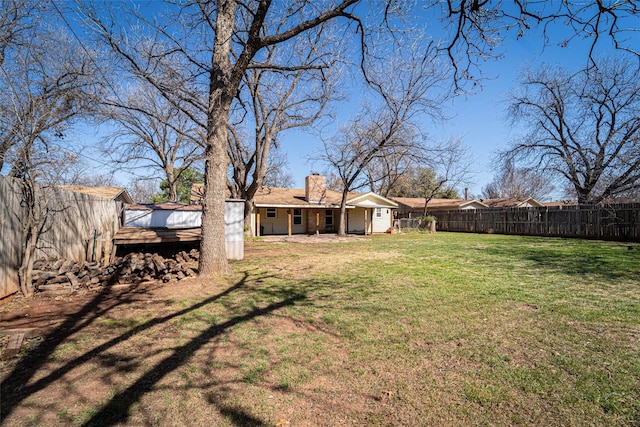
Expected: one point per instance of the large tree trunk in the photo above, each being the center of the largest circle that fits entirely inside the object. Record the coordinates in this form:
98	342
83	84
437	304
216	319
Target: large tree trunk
248	209
213	252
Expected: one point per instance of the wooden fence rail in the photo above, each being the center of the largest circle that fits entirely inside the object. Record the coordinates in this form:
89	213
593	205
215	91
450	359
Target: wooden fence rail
77	226
620	222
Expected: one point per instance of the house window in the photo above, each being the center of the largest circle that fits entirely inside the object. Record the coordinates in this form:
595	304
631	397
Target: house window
378	212
329	217
271	213
297	216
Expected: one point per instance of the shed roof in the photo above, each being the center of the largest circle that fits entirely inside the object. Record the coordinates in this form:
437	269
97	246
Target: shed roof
111	193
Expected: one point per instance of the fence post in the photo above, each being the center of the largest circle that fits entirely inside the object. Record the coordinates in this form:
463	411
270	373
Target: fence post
546	220
598	213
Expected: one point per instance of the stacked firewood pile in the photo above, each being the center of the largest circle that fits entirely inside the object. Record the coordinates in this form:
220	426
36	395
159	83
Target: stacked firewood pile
63	277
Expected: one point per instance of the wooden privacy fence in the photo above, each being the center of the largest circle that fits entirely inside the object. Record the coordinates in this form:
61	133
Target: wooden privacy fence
619	222
76	226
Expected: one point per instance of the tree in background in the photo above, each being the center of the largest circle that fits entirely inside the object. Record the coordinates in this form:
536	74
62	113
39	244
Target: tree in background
435	172
514	183
388	170
142	190
278	174
583	127
182	187
407	86
150	132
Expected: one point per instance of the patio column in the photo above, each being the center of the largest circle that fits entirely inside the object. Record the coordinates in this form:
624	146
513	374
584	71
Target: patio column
366	220
257	222
317	222
289	222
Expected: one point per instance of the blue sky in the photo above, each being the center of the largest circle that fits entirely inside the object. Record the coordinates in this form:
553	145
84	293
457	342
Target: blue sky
479	118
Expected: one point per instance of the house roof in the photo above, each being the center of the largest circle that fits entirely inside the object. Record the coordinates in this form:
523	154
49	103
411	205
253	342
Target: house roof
296	198
506	202
439	204
561	203
111	193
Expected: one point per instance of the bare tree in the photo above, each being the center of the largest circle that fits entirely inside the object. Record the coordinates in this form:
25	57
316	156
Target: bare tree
389	168
278	174
440	169
518	183
476	29
16	20
150	132
142	190
583	127
45	87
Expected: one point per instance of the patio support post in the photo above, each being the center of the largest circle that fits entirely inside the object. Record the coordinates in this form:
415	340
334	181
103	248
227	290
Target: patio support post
366	220
317	222
257	222
289	222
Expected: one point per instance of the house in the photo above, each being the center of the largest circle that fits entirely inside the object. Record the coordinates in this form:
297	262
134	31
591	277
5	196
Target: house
117	194
506	202
315	209
409	207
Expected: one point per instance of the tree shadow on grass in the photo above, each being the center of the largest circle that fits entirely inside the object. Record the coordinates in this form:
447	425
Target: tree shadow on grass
16	386
575	258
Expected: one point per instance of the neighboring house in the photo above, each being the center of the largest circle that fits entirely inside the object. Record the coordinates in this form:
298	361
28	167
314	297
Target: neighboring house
505	202
412	207
118	194
315	209
561	203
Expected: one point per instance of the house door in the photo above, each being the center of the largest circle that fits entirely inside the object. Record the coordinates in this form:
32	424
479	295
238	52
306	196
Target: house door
380	220
328	221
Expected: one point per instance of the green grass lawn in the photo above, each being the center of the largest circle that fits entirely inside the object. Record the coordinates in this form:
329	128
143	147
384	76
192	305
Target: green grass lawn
409	329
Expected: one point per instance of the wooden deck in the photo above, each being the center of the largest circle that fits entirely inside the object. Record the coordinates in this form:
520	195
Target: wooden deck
137	235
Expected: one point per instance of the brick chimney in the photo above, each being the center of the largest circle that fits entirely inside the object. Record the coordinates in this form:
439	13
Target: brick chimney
315	188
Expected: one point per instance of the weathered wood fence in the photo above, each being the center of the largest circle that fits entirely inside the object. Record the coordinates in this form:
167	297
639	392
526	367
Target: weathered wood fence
76	226
619	222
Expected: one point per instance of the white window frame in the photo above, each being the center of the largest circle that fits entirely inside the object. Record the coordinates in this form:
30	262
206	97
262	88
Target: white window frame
272	213
297	217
